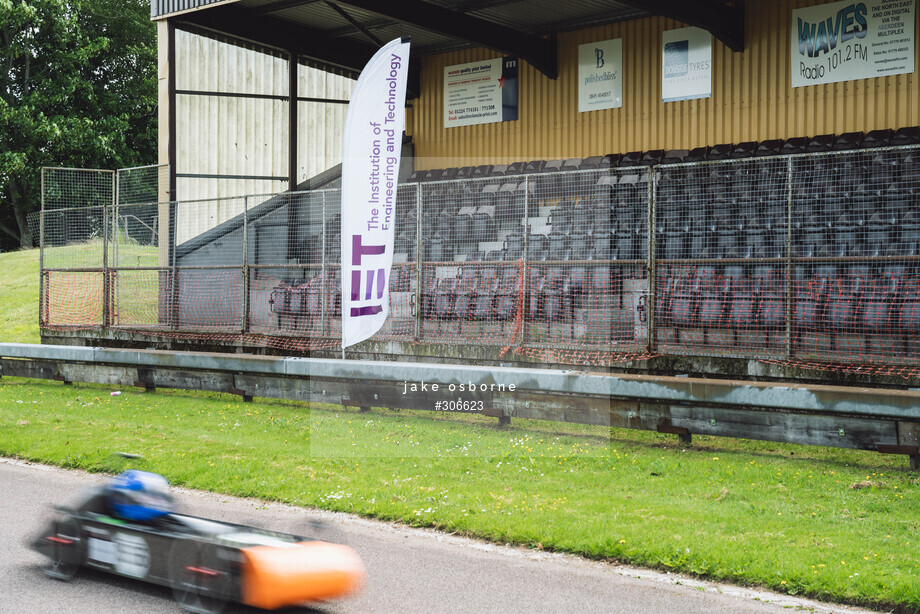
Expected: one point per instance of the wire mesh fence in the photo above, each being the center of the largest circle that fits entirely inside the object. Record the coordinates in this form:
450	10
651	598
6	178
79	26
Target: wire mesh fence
807	257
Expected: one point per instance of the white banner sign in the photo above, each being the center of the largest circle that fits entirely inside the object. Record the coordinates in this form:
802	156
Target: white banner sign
600	75
370	169
846	40
481	92
686	64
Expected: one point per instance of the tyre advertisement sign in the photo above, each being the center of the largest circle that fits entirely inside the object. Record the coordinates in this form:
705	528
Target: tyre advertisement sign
686	64
481	92
600	75
844	41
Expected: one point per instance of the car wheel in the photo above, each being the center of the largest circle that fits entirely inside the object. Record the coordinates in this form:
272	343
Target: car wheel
200	579
66	549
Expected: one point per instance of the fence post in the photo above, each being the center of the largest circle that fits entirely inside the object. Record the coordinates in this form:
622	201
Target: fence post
650	269
106	282
789	265
327	322
42	303
524	294
419	296
174	282
246	288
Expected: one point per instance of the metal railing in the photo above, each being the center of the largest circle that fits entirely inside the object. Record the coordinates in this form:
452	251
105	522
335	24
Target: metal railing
804	257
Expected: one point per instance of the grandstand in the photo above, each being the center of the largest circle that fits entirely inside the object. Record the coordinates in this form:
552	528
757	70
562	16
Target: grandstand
717	239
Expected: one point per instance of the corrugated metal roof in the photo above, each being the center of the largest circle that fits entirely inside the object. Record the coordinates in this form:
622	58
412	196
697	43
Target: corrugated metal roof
162	8
531	16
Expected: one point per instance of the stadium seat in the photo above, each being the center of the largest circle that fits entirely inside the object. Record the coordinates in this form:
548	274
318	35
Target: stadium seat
593	162
560	218
906	136
722	151
823	142
697	154
795	145
849	140
583	215
604	190
465	172
878	138
488	194
878	302
534	166
770	147
744	150
633	158
465	291
675	156
652	157
770	292
482	171
437	249
514	247
506	293
444	299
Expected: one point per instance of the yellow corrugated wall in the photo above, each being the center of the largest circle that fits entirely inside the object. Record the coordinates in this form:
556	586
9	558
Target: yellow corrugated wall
752	100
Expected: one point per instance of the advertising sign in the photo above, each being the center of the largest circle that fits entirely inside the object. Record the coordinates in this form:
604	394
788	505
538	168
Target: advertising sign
686	64
600	75
370	169
481	92
846	40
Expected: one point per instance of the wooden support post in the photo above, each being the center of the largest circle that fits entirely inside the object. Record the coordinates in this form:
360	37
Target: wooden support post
247	398
683	434
60	378
147	386
346	403
912	452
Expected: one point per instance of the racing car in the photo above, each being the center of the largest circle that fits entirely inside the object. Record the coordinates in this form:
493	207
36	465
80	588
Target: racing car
128	527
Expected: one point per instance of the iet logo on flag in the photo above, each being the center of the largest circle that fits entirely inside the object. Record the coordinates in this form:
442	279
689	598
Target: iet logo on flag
676	58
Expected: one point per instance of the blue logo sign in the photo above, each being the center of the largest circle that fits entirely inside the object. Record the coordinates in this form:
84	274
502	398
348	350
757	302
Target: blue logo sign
676	59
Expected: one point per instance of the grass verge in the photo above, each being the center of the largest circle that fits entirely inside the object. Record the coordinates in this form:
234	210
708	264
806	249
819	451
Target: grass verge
19	292
834	524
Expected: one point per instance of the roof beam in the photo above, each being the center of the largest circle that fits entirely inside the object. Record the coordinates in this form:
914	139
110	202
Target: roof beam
240	23
723	21
244	24
539	52
280	5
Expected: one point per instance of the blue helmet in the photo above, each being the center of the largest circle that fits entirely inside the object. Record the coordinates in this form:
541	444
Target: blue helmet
139	496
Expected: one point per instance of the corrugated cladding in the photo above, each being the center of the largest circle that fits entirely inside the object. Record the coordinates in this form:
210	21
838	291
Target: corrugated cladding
162	8
752	99
244	136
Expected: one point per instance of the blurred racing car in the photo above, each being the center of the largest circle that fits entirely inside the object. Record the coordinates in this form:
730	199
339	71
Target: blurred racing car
128	527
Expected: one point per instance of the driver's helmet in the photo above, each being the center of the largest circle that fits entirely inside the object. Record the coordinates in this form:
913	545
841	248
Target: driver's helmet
139	496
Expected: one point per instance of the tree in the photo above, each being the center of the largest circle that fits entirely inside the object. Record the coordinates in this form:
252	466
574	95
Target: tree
77	88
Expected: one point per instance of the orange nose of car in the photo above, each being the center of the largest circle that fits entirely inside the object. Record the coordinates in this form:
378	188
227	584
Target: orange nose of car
274	577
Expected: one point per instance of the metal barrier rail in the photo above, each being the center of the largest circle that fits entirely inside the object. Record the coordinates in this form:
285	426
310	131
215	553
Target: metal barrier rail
883	420
806	258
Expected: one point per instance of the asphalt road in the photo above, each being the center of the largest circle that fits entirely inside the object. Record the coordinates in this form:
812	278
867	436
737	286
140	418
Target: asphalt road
409	570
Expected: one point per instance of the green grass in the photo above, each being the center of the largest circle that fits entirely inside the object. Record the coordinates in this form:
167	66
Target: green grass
836	524
19	297
74	298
